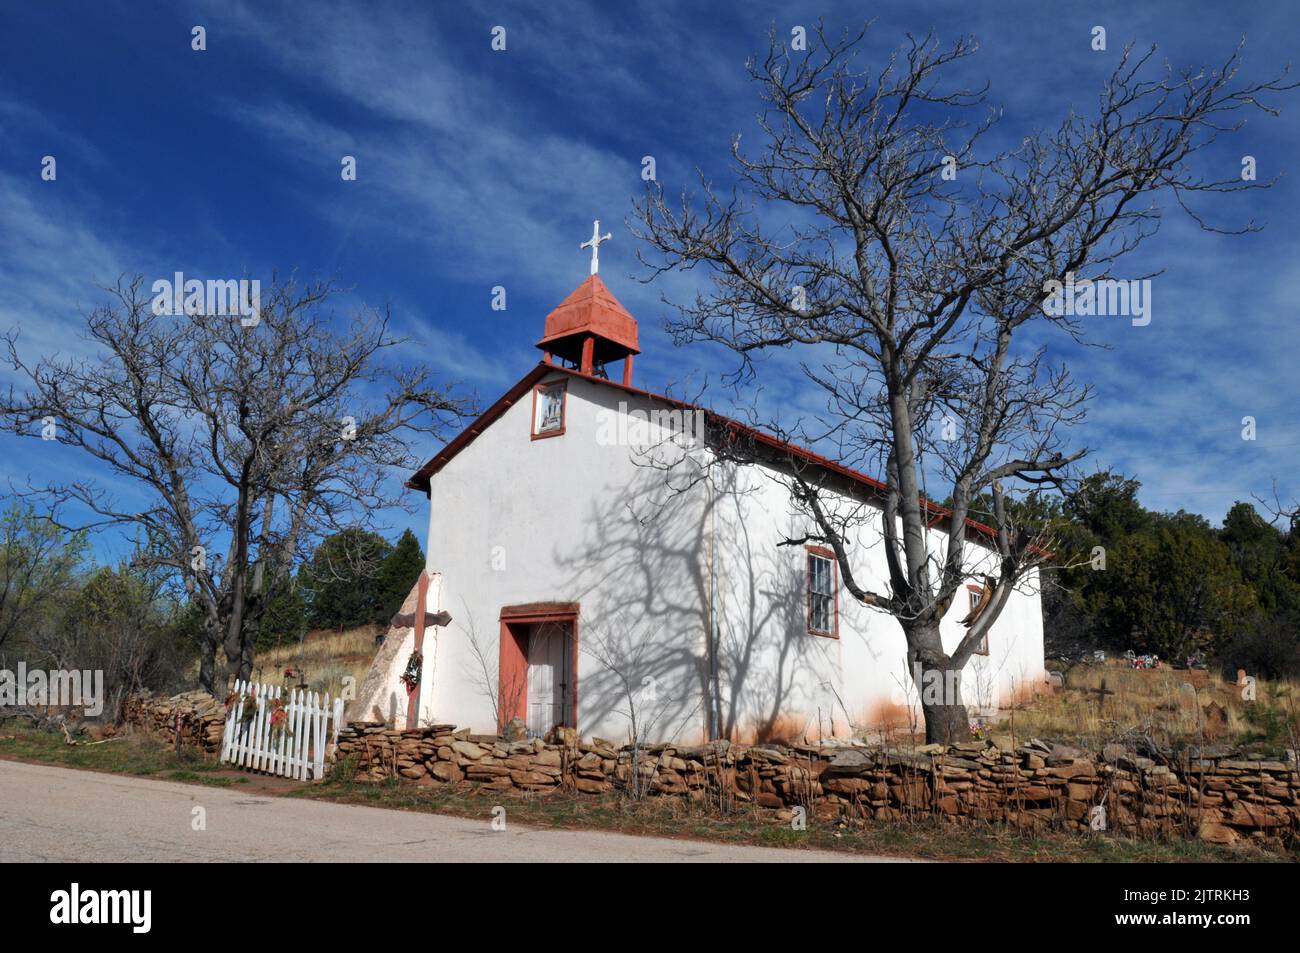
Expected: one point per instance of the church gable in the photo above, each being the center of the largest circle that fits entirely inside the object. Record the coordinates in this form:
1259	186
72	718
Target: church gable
565	544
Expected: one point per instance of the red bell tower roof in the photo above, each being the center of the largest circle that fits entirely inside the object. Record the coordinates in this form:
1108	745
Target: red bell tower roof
591	327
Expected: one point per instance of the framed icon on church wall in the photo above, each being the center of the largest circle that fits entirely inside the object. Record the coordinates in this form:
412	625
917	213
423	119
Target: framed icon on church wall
548	409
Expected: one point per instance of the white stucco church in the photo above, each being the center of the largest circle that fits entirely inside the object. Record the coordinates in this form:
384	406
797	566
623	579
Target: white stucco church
592	563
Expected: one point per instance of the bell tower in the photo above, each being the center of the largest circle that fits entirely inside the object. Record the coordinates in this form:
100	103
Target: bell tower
591	328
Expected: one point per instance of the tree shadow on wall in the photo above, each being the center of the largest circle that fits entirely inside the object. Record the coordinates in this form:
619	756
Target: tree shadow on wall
641	575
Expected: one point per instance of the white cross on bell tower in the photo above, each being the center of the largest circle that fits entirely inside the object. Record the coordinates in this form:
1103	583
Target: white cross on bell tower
594	244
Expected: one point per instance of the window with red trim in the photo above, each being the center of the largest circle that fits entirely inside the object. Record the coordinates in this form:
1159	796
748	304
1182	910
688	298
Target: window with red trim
823	603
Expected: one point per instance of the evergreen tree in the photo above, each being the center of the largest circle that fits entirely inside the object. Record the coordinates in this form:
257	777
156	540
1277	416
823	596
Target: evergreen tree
285	619
397	575
341	579
1172	584
1259	551
1173	591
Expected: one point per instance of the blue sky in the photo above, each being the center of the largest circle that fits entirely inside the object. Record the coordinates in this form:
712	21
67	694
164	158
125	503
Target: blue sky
478	168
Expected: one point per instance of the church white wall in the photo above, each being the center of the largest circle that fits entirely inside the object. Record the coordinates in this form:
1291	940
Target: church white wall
574	518
789	683
569	519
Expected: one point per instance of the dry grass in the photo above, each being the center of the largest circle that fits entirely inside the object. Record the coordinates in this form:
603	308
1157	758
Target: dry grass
325	656
1154	702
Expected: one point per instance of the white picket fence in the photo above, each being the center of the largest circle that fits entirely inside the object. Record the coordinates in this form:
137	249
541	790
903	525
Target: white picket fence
296	750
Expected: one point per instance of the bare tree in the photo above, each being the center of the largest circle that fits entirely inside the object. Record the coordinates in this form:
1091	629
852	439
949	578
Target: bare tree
630	680
261	437
506	696
1280	512
912	266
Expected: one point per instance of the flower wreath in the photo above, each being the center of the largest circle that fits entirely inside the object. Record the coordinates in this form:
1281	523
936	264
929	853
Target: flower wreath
414	665
250	708
279	717
250	703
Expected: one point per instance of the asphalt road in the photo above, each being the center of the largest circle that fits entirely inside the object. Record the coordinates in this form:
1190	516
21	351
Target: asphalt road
59	814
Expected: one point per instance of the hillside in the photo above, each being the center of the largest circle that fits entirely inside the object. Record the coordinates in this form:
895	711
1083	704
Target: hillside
322	660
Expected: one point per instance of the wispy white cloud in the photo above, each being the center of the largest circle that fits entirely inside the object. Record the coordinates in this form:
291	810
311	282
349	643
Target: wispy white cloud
479	169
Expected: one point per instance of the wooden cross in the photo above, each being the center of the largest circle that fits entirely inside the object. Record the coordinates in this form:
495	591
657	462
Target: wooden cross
1101	693
413	691
594	244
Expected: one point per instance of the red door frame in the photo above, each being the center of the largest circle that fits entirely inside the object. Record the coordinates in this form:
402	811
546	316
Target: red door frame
512	668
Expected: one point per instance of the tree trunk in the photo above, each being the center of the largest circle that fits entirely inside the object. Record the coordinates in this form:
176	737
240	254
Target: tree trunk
208	658
233	648
938	685
246	653
945	724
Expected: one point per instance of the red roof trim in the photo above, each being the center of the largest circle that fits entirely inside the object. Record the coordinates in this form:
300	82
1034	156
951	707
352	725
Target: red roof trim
420	479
